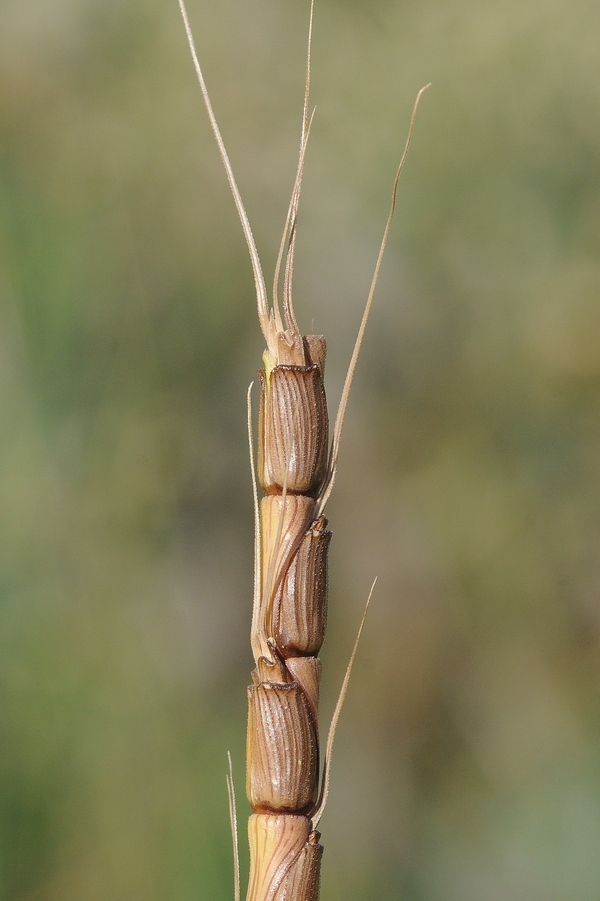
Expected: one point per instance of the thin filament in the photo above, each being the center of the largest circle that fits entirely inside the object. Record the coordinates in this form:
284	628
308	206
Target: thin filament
336	715
292	214
255	638
234	831
339	421
290	229
261	290
289	263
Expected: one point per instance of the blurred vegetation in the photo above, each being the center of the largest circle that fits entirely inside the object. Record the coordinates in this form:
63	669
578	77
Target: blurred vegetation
466	766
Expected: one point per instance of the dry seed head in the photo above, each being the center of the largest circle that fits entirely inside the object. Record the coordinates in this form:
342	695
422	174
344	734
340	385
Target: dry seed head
234	830
298	473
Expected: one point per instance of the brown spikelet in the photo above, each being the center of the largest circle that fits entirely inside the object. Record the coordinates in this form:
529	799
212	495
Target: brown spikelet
300	607
293	430
282	750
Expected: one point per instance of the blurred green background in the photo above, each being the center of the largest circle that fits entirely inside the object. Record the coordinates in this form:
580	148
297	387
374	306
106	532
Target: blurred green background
467	762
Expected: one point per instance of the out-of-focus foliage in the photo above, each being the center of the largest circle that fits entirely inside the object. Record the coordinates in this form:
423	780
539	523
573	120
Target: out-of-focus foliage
466	764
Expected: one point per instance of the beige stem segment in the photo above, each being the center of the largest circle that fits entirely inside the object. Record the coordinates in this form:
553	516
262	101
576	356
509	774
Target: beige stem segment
285	858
